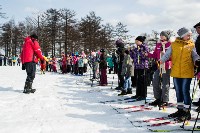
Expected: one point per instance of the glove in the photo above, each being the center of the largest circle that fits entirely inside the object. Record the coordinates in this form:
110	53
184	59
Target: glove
197	63
42	61
23	67
198	75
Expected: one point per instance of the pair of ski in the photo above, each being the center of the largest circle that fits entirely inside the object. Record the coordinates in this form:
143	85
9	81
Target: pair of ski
139	108
145	105
172	130
142	108
164	123
161	119
120	101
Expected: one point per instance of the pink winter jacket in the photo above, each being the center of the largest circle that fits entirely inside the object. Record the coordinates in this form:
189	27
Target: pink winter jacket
156	54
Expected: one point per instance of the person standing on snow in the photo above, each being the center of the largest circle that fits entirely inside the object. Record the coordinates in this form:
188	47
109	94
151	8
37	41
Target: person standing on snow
197	46
120	57
127	72
5	60
161	93
140	65
80	65
18	61
183	55
30	52
103	68
64	64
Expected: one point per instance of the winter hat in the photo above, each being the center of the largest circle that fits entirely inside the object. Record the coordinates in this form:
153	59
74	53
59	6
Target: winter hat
33	35
166	34
141	38
119	43
102	50
126	51
198	24
183	31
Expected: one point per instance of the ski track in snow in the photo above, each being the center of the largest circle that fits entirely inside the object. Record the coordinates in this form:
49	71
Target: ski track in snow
68	103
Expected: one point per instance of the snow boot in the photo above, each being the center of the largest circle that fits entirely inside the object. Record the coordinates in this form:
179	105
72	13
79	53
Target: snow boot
163	104
30	86
185	115
155	103
122	93
27	90
129	91
176	114
118	88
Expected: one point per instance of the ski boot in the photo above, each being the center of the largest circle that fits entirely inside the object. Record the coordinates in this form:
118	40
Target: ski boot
155	103
27	90
129	91
185	116
118	88
30	86
122	93
176	114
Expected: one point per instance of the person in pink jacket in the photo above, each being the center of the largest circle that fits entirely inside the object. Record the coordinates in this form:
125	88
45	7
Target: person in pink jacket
162	74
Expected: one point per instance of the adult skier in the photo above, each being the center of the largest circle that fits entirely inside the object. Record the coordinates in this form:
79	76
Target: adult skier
30	52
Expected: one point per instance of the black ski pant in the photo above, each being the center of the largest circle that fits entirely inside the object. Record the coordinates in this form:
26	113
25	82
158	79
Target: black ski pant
141	86
30	70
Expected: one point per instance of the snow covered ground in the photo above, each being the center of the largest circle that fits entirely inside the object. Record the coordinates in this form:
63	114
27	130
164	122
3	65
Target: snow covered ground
68	104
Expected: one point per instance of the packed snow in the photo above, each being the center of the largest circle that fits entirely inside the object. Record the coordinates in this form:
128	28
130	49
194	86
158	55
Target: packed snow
64	103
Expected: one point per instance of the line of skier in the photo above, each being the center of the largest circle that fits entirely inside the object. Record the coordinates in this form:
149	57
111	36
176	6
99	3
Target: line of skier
178	58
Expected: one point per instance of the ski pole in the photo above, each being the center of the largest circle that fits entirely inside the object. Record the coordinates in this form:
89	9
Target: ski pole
196	121
160	87
198	110
145	83
112	83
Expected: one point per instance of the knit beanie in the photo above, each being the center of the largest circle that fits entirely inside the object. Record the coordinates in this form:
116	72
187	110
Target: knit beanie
183	31
166	34
198	24
141	38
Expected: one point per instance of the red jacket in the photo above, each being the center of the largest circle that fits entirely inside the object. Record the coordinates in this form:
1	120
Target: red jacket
64	62
31	51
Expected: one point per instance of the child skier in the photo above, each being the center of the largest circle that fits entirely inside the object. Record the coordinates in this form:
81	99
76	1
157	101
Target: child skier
140	64
161	93
127	72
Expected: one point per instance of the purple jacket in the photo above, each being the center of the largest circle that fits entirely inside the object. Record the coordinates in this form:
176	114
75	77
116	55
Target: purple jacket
139	58
156	53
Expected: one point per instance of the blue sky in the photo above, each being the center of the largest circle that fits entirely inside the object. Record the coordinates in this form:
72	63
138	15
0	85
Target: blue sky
140	16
